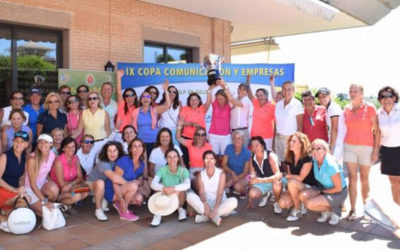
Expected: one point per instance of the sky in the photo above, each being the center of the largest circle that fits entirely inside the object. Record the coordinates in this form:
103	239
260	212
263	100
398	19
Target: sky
368	55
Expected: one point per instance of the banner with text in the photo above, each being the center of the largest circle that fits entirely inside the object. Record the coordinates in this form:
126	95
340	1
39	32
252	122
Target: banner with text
188	78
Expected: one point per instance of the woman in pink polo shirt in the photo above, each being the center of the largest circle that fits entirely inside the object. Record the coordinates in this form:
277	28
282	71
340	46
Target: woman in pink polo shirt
263	116
361	144
219	133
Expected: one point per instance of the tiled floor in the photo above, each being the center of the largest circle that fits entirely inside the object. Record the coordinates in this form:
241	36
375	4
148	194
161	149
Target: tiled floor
242	231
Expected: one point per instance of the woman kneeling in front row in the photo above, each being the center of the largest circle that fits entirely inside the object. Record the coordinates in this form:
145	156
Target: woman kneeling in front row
212	203
330	197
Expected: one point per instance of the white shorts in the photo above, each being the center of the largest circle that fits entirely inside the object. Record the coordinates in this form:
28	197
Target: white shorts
219	143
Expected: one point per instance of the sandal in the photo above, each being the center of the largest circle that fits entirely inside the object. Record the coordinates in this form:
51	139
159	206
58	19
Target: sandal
351	216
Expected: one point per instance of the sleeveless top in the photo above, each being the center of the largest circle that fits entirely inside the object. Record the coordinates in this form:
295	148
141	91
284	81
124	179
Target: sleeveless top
94	123
265	170
10	135
296	169
69	170
211	184
72	124
44	170
169	119
14	169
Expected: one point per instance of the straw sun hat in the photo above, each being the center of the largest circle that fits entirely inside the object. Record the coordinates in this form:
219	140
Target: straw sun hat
161	204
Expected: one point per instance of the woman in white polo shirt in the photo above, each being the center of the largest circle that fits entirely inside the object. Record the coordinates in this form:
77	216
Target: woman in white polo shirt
389	123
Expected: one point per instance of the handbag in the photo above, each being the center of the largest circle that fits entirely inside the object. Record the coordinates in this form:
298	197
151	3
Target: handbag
21	220
53	219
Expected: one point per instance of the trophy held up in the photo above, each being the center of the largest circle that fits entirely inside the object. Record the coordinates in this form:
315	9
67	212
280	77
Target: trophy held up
212	63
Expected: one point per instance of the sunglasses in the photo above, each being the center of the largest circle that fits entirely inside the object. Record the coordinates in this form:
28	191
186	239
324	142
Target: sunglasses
202	134
51	102
88	141
146	96
93	98
65	93
21	134
311	121
386	96
83	91
172	91
18	98
317	149
129	95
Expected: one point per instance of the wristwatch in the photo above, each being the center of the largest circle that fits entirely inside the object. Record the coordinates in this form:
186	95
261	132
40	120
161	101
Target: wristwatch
44	201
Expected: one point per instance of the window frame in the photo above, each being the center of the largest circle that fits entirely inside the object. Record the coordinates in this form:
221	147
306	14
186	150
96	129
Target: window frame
165	46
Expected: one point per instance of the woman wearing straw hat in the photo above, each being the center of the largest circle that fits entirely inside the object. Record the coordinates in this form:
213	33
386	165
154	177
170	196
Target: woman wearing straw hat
212	203
172	180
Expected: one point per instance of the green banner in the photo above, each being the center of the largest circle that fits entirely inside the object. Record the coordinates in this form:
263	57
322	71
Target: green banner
92	79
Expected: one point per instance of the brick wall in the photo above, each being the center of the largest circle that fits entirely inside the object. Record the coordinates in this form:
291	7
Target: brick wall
88	33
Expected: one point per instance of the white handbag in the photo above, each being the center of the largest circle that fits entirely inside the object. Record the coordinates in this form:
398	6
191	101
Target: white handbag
53	219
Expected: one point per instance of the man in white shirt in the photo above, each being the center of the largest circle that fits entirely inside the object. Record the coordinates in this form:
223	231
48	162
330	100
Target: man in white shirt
242	110
16	101
108	103
335	121
289	119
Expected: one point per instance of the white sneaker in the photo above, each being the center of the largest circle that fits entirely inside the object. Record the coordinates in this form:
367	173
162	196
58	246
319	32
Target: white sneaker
264	200
217	220
272	198
100	215
303	209
181	214
277	208
294	215
324	217
104	205
200	218
335	219
156	220
4	226
227	190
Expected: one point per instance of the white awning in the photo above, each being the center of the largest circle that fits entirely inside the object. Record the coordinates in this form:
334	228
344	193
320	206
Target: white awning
258	19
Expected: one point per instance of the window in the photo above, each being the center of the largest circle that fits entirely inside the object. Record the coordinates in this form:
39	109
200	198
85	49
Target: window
158	53
28	56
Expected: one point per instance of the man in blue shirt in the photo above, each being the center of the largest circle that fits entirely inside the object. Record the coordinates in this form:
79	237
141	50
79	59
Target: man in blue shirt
34	108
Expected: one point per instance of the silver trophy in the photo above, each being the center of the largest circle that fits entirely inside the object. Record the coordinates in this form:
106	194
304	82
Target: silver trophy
212	63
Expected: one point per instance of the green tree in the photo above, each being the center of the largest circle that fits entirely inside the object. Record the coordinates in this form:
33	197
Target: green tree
27	62
34	62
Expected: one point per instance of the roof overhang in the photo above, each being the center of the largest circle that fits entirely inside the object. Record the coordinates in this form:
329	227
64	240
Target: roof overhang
258	19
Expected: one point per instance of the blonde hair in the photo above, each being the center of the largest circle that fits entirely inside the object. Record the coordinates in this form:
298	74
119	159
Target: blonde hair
58	130
98	96
323	143
38	159
49	95
359	86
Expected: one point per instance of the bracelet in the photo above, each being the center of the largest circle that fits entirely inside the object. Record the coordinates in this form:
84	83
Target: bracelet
209	91
179	127
44	201
226	87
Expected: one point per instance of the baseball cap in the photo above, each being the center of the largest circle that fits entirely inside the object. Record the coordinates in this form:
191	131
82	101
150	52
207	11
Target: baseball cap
35	91
323	90
22	134
45	137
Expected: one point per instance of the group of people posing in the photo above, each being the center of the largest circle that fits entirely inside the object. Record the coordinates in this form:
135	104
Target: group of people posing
257	147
